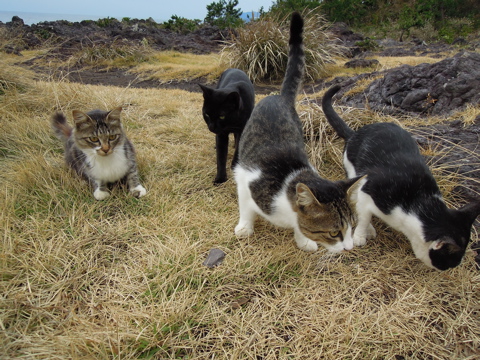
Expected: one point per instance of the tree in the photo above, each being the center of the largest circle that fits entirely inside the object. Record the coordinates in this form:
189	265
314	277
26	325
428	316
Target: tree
286	7
223	14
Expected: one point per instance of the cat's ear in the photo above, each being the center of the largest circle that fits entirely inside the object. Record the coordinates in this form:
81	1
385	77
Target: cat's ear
81	119
470	211
114	115
234	99
207	92
352	186
448	245
305	196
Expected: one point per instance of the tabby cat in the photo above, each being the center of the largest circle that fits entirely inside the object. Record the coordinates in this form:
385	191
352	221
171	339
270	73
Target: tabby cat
274	176
400	190
226	110
98	150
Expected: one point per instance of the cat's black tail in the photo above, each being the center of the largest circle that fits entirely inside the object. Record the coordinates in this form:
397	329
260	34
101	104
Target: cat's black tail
296	60
60	126
340	126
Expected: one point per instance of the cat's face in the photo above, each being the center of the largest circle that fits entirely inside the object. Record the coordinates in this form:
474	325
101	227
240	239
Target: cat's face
98	132
221	110
327	223
450	243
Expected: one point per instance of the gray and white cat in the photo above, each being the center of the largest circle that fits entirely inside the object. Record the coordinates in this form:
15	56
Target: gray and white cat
274	176
400	190
98	150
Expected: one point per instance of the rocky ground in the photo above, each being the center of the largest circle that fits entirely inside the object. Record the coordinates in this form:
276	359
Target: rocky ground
427	89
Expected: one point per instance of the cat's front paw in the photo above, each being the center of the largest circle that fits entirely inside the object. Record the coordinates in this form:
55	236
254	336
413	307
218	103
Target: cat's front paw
220	179
371	233
100	194
138	191
243	231
359	240
309	246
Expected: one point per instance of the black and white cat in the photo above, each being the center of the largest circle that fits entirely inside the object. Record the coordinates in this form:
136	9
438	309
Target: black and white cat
400	190
98	150
274	176
226	110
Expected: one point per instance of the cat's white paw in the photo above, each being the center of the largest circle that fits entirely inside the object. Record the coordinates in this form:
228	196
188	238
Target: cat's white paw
100	194
359	240
371	233
138	191
243	230
309	246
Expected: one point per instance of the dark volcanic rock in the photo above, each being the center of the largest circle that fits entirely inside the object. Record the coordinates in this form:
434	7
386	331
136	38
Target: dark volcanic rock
358	63
433	89
134	32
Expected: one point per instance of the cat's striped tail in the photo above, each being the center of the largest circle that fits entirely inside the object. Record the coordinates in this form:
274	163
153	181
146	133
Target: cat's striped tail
60	126
296	60
340	126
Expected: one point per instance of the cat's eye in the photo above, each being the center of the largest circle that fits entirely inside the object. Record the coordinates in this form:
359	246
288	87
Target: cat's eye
222	117
334	234
112	137
93	139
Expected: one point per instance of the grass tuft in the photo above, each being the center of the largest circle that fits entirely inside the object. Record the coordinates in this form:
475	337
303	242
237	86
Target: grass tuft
261	47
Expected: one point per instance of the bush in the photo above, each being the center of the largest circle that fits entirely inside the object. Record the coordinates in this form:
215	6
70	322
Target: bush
260	48
181	25
223	14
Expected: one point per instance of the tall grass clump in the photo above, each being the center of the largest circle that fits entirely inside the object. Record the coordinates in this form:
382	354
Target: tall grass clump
117	53
260	48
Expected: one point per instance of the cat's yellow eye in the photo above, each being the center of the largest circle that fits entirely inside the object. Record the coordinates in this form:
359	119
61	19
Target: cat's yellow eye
222	117
93	139
334	234
112	137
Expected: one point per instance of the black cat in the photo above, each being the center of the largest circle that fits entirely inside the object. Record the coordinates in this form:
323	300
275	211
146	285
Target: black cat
226	110
401	190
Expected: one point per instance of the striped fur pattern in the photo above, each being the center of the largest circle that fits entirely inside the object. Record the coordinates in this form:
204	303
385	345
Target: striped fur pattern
274	176
98	150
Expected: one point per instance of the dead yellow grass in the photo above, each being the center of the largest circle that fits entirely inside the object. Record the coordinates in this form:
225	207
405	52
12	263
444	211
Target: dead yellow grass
123	278
171	65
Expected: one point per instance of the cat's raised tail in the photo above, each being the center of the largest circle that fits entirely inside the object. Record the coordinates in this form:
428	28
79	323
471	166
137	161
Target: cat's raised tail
340	126
60	126
296	60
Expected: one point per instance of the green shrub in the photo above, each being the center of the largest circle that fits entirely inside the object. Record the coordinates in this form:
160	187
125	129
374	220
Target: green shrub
181	25
223	14
105	22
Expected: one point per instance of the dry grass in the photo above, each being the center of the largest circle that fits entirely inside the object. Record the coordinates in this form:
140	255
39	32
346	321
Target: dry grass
172	65
123	278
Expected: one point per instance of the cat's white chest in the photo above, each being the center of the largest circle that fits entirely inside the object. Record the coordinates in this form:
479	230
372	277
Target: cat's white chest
109	168
282	214
408	224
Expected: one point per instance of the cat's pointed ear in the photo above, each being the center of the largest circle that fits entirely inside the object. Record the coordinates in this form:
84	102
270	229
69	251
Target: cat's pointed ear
114	115
470	211
447	244
207	92
305	196
353	185
81	119
234	99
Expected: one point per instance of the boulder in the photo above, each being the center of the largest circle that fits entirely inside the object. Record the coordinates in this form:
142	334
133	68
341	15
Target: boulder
434	89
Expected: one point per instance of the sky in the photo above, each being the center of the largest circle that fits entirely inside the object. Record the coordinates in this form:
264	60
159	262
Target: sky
159	10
